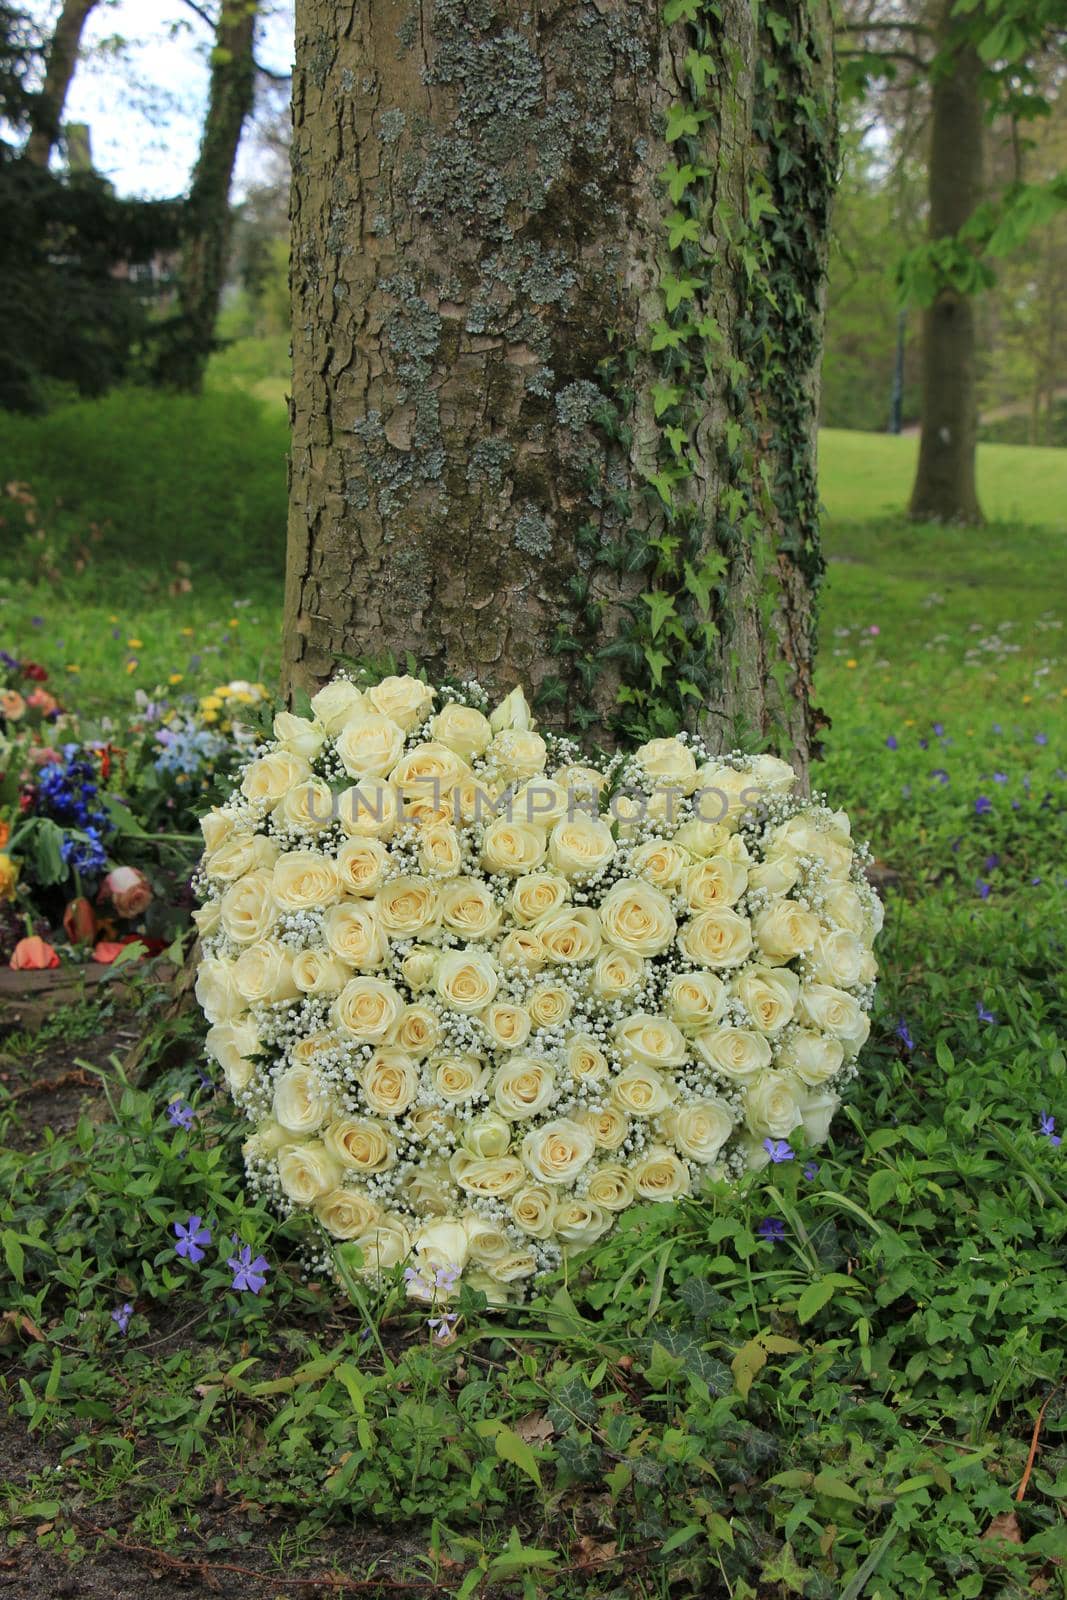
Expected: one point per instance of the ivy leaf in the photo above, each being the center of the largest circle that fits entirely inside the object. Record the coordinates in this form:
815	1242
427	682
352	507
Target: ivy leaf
665	395
679	178
680	228
701	68
657	664
683	122
661	605
675	10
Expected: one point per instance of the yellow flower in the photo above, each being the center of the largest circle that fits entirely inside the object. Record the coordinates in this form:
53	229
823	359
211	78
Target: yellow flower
233	622
210	702
909	722
8	876
188	632
1027	698
210	716
135	644
131	666
175	677
851	664
72	668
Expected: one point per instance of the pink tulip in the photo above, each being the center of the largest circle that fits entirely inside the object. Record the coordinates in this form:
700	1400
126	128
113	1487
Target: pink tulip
33	955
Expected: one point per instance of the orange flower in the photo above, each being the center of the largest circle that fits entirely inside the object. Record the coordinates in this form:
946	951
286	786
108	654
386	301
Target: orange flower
79	923
33	955
5	832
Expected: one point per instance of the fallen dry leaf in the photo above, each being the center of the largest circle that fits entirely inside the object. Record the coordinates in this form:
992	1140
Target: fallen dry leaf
1004	1526
534	1428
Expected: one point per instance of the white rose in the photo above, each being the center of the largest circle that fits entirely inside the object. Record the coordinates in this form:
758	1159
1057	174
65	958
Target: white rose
408	906
722	794
298	736
355	935
670	762
523	1086
787	929
304	880
832	1011
308	806
579	1222
571	936
695	1000
406	700
417	1031
816	1113
360	1143
512	847
466	980
716	939
716	881
616	973
845	909
216	825
738	1053
468	909
307	1171
440	850
700	1128
361	866
660	862
264	973
367	1008
837	958
458	1078
487	1136
812	1057
512	712
248	909
701	839
637	917
301	1102
537	895
550	1005
650	1041
608	1128
385	1244
241	852
518	753
531	1210
369	810
232	1044
773	775
769	995
777	875
493	1177
369	746
771	1106
612	1187
557	1151
660	1175
462	729
389	1082
217	994
439	1247
427	774
580	846
508	1026
585	1060
347	1213
336	703
639	1091
267	779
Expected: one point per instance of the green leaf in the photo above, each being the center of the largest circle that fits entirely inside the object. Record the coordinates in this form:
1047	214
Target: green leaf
14	1255
814	1298
509	1447
829	1483
661	605
881	1186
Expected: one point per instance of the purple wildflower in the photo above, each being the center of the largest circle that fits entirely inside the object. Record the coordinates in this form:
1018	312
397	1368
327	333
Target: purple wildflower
940	774
983	805
180	1114
891	742
248	1274
1035	880
192	1236
122	1314
778	1150
939	728
446	1278
772	1228
904	1034
1047	1127
984	889
982	1014
992	863
443	1324
1041	738
811	1170
1000	777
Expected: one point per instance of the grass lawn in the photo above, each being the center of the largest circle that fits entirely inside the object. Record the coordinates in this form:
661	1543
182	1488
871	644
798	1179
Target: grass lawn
848	1414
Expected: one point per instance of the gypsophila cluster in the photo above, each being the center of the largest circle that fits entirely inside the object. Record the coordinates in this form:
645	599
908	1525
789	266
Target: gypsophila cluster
477	995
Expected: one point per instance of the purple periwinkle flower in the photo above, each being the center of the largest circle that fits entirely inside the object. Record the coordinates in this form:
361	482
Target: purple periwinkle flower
810	1170
940	774
992	863
1041	738
772	1228
891	742
778	1150
1047	1127
192	1236
982	1014
939	728
1035	880
122	1314
904	1035
36	622
180	1114
984	889
983	805
1000	777
248	1274
924	744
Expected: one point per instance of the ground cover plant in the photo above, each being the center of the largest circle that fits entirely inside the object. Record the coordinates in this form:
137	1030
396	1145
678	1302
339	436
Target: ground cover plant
845	1380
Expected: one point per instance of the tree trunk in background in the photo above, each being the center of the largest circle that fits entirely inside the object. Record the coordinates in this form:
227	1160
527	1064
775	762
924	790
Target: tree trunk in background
945	488
62	58
203	262
552	423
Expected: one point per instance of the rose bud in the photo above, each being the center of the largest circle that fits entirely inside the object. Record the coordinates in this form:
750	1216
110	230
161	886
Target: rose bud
128	889
32	955
79	923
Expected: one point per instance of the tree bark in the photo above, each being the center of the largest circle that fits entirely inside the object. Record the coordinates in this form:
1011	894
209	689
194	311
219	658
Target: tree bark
202	270
480	276
945	489
61	60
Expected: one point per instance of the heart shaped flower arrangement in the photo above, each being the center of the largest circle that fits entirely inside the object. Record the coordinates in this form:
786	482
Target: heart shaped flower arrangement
477	993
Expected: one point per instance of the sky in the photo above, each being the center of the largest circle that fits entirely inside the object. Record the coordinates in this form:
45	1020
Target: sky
141	85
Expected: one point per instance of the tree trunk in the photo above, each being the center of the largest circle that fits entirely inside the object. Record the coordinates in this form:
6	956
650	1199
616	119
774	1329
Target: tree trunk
945	488
557	284
207	231
62	58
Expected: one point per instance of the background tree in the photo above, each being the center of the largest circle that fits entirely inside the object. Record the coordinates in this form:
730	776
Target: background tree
557	298
190	339
46	113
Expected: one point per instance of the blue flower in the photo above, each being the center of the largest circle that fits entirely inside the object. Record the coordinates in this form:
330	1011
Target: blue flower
122	1314
984	889
192	1236
772	1228
1047	1127
248	1274
778	1150
904	1035
180	1114
1041	738
891	743
983	805
982	1014
810	1170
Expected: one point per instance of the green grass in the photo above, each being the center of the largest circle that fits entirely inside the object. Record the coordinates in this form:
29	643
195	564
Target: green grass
847	1414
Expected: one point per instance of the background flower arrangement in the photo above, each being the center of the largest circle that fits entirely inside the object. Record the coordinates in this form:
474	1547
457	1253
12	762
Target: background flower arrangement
98	820
478	993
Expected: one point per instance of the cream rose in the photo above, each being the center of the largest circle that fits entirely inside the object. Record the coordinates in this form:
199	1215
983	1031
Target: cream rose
616	973
304	880
771	1106
523	1086
369	746
268	778
777	876
580	846
824	1006
738	1053
218	995
458	1078
608	1128
427	772
640	1091
700	1129
242	851
637	917
650	1040
659	1174
360	1143
462	729
557	1151
468	909
361	866
216	825
308	806
812	1057
263	973
488	1135
440	850
370	810
585	1060
385	1244
721	794
579	1222
298	736
702	839
695	1000
514	848
512	712
390	1082
232	1045
787	929
531	1210
716	881
769	995
507	1025
355	935
570	936
521	948
466	980
541	801
716	939
417	1031
441	1246
660	862
837	958
337	703
550	1005
419	967
306	1171
406	700
612	1187
408	906
347	1213
817	1109
518	752
537	895
494	1177
301	1101
367	1008
247	910
668	761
